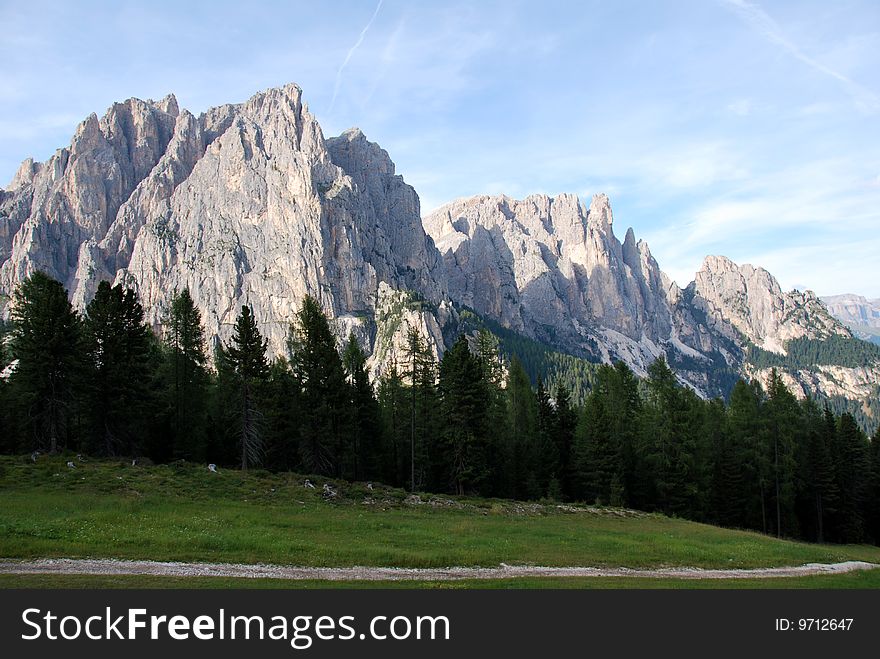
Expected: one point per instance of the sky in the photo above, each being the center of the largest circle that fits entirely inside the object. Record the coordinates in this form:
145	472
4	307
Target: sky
733	127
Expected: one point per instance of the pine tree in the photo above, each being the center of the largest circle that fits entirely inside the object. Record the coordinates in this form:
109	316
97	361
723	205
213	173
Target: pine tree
605	441
873	489
318	371
522	412
366	425
566	423
187	378
781	418
851	455
463	403
666	440
727	469
246	357
595	451
543	451
744	434
282	412
46	335
117	347
819	490
421	376
395	426
498	449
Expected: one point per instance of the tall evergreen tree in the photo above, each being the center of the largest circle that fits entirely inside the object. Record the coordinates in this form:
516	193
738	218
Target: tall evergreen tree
117	348
522	412
463	404
543	451
46	334
818	488
851	455
187	378
781	422
421	382
873	507
365	443
395	426
726	468
283	414
318	371
670	440
246	356
606	438
744	414
497	445
566	423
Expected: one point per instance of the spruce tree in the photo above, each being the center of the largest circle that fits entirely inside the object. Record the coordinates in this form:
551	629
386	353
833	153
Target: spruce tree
420	375
851	455
744	434
365	440
463	403
246	357
117	347
395	426
497	444
781	421
566	423
543	451
46	341
283	414
187	378
595	450
873	489
522	412
318	371
818	487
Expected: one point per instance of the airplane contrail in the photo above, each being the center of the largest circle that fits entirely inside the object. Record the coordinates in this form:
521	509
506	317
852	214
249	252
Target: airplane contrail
350	53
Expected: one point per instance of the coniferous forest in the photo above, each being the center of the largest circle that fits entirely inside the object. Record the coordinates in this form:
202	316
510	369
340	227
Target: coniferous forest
102	383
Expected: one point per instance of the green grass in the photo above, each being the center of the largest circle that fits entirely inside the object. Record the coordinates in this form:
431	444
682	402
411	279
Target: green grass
185	513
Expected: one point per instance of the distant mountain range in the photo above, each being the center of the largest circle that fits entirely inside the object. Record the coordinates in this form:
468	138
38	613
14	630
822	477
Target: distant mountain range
861	315
250	204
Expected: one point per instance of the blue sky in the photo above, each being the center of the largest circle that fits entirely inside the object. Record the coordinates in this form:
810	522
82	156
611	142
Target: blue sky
716	126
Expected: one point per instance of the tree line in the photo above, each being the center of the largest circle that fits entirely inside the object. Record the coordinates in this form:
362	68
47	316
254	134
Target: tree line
473	423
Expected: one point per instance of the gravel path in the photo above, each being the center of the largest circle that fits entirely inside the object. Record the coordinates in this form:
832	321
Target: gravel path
118	567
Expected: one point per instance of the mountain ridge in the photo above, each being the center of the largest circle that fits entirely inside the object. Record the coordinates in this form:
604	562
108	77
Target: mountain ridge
249	203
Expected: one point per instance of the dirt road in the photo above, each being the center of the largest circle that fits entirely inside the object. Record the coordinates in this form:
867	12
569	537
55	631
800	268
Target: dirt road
119	567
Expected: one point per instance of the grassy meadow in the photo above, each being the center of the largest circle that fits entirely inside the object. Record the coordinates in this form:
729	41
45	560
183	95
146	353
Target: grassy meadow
183	512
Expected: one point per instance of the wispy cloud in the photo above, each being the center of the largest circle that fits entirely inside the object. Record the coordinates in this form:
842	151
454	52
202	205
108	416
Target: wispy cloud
763	23
741	107
348	56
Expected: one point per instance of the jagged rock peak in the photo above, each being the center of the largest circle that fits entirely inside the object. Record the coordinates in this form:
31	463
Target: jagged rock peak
751	299
355	154
600	214
25	174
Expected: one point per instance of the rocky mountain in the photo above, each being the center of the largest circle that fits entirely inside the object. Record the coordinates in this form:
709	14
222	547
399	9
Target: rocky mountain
552	269
750	299
251	204
793	332
244	204
858	313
